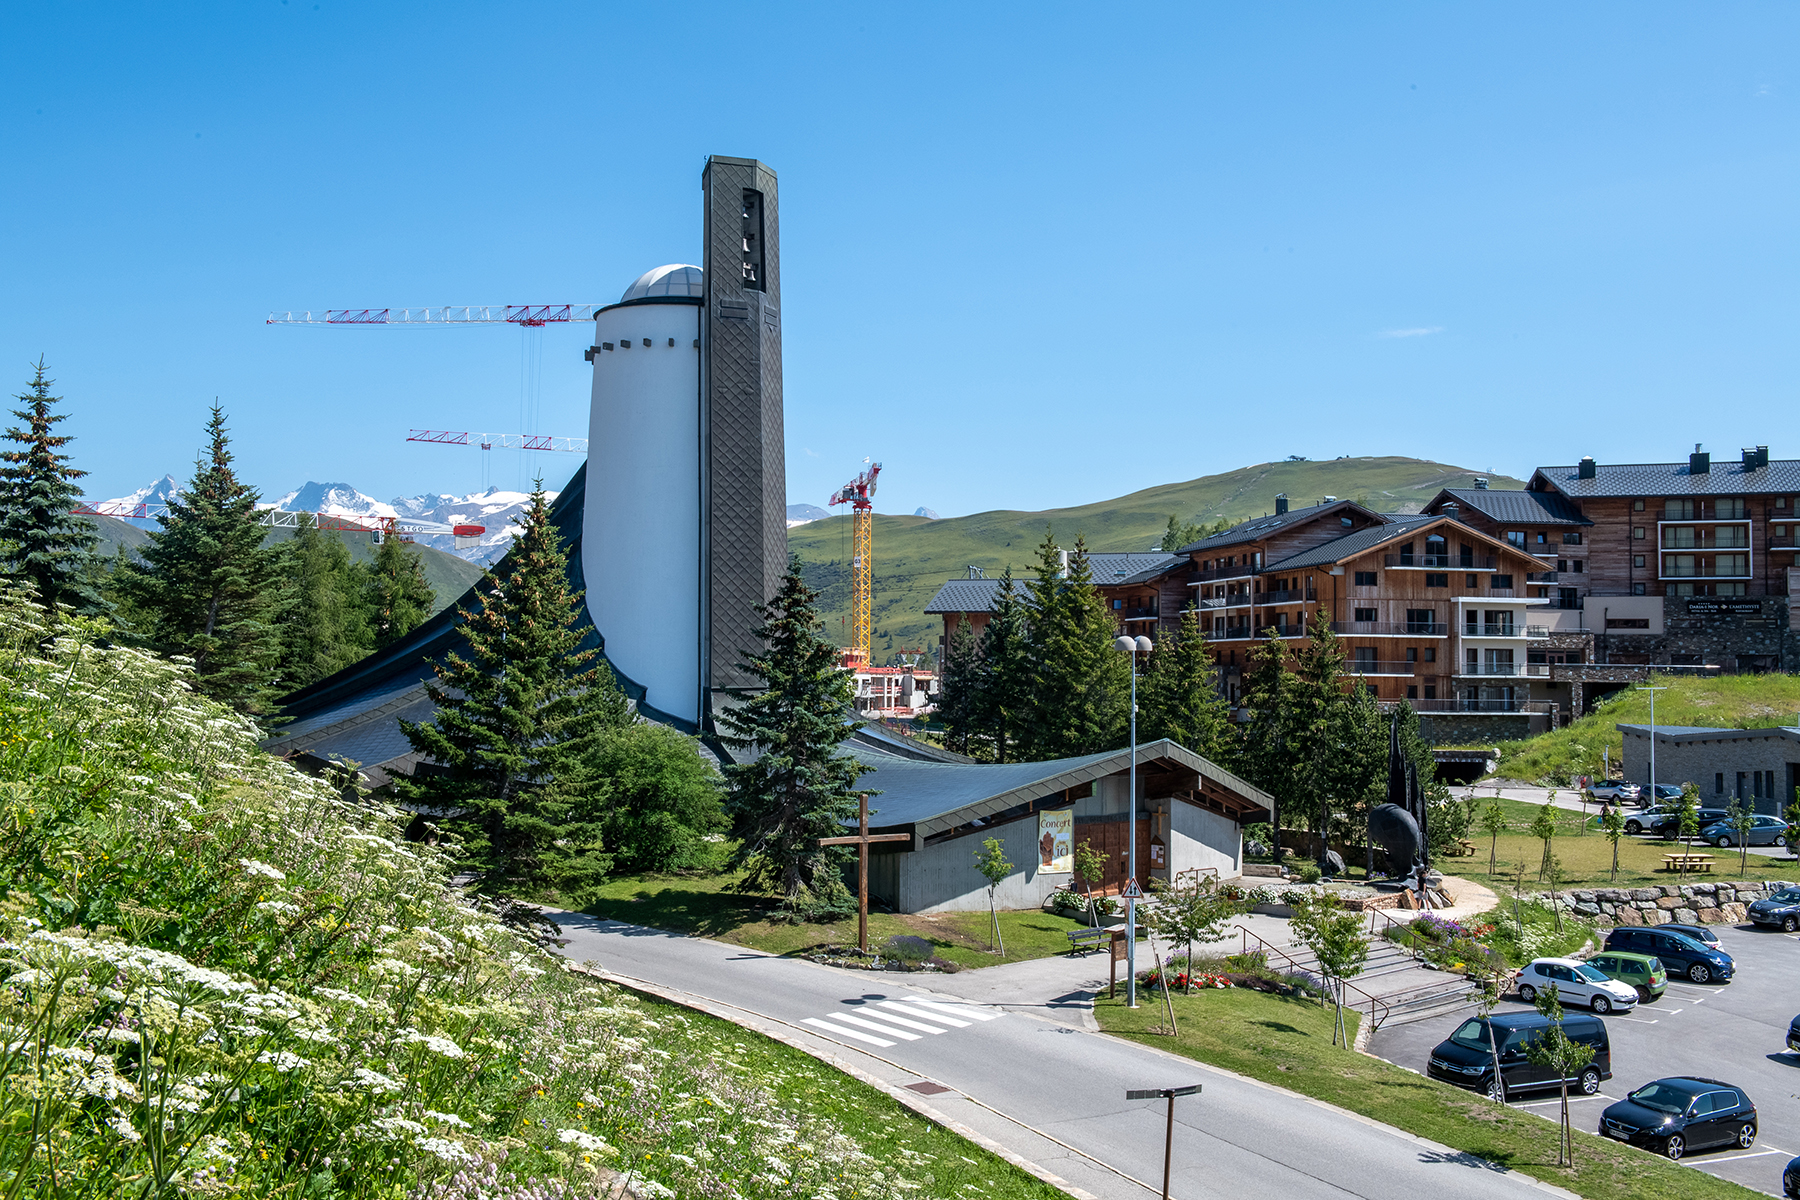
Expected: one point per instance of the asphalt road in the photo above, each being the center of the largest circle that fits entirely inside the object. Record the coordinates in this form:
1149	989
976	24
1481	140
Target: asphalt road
1054	1093
1734	1031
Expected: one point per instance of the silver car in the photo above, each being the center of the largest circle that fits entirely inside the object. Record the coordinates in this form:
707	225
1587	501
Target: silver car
1764	831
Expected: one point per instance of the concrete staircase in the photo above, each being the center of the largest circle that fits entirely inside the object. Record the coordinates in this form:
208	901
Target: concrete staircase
1393	988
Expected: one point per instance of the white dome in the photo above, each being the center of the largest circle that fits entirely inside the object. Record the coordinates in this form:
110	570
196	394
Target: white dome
676	279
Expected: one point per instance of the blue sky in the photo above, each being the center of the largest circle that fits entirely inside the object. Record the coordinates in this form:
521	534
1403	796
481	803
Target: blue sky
1032	254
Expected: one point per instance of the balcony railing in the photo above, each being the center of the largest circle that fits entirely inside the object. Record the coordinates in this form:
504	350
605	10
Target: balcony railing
1295	596
1505	631
1566	602
1386	666
1392	628
1697	573
1138	614
1540	576
1230	633
1443	562
1476	706
1540	670
1784	541
1243	572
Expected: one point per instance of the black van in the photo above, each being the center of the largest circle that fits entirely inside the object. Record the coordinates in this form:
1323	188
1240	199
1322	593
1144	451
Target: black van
1465	1059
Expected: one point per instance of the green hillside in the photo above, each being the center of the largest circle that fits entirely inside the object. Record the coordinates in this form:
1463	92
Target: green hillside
448	575
914	555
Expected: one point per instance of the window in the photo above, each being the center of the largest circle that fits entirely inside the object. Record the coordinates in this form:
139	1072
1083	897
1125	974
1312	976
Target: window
1365	579
1576	563
1562	564
1471	621
1637	532
1637	560
1542	538
1678	510
1571	537
1501	582
1728	510
1431	691
1436	580
1412	691
1516	537
1365	657
1412	654
1637	589
1731	564
1366	614
1431	657
1471	582
1346	522
1781	502
1406	555
1420	620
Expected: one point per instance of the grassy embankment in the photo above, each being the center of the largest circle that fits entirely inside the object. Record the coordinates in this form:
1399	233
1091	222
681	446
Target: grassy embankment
1726	701
1586	856
914	555
1287	1041
706	906
220	977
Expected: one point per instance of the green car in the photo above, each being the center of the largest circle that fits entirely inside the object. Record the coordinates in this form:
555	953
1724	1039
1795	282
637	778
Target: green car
1641	971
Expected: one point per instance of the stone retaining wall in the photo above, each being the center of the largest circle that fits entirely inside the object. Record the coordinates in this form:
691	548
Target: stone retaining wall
1668	903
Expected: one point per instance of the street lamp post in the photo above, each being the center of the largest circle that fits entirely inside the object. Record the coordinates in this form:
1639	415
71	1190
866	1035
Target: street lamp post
1652	690
1134	647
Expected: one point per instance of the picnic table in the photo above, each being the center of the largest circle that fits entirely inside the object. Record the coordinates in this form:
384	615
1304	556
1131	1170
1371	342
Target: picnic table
1465	848
1687	862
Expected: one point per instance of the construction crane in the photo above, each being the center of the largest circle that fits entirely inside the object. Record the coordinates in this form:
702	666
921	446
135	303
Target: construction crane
505	441
532	315
403	528
858	494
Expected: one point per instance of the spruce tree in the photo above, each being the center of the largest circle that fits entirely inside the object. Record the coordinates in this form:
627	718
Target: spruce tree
40	538
1178	697
1081	684
209	588
520	721
964	689
1006	652
798	788
328	625
399	597
1270	741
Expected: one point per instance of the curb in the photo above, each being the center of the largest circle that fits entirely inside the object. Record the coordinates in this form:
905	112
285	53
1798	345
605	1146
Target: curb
774	1032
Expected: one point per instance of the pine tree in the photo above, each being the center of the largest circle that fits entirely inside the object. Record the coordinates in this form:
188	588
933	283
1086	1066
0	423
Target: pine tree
210	588
1081	685
328	625
1007	653
1180	533
1270	743
1178	697
398	594
520	721
798	788
965	684
40	539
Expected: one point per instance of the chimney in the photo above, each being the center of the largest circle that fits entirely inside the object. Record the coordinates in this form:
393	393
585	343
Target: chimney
1749	453
1762	456
1585	468
1280	503
1329	500
1063	569
1699	462
1481	483
1451	509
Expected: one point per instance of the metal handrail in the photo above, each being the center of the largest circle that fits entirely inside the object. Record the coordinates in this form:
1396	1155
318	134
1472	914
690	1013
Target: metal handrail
1296	964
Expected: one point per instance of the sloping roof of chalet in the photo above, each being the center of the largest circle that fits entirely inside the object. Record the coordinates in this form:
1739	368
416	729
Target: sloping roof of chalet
1108	569
1257	529
1726	478
1338	549
1517	507
933	797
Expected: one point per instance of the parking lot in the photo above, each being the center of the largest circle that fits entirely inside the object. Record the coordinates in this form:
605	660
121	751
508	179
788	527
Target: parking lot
1735	1032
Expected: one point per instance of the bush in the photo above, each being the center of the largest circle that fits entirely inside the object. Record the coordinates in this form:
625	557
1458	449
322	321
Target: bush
1309	872
908	949
1541	937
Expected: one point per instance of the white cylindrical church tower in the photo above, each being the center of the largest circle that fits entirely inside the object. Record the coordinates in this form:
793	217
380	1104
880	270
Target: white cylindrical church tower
640	548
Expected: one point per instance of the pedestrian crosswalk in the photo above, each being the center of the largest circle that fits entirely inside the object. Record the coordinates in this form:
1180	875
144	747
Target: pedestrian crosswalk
887	1023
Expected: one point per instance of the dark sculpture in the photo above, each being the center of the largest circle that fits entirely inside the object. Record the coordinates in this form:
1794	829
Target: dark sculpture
1394	830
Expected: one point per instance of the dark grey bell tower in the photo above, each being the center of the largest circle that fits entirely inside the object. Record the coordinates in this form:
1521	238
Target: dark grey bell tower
743	459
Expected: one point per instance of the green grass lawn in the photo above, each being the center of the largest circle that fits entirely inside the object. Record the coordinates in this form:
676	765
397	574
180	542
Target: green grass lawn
1287	1042
706	906
1726	701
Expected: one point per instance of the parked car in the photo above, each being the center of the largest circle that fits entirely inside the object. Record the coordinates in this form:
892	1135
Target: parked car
1576	983
1612	789
1782	909
1667	824
1699	933
1642	822
1680	954
1793	1036
1790	1177
1681	1114
1764	831
1466	1058
1643	974
1662	792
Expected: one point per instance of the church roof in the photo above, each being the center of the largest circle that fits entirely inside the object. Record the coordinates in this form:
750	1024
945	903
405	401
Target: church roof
675	279
934	797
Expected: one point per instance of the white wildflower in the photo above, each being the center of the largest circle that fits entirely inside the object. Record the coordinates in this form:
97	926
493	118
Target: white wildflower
445	1119
122	1126
583	1139
449	1151
433	1043
373	1081
252	867
652	1190
282	1060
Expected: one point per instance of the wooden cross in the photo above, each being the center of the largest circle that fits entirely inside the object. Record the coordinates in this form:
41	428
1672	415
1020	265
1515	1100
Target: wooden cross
861	841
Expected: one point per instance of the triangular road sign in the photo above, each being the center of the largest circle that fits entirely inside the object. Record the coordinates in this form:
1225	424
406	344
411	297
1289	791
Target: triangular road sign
1132	890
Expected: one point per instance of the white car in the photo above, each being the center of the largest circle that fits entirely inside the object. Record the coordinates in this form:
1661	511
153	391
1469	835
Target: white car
1576	983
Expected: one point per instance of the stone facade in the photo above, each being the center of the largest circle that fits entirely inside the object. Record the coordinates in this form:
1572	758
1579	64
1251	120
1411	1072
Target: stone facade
1762	766
1738	633
1668	903
1480	729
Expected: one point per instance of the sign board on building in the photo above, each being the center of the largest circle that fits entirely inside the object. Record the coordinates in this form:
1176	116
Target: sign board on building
1056	840
1711	607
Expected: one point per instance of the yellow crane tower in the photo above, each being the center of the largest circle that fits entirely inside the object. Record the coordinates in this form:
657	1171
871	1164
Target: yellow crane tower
858	495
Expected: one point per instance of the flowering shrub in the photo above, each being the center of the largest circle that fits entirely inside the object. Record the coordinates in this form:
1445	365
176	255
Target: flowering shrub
219	977
1181	981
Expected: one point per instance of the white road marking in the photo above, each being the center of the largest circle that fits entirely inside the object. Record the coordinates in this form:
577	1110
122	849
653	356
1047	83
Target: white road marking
876	1026
1636	1020
924	1014
842	1032
890	1019
1738	1157
961	1010
1572	1099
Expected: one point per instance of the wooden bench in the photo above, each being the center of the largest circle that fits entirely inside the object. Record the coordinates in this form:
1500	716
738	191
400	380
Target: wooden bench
1687	862
1087	940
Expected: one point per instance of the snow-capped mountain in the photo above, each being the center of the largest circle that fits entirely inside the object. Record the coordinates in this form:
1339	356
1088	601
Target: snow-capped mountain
498	510
334	499
151	493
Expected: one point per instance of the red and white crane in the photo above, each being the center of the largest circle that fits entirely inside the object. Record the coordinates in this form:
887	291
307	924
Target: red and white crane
531	315
505	441
403	528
